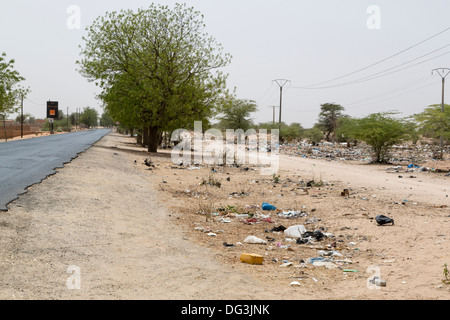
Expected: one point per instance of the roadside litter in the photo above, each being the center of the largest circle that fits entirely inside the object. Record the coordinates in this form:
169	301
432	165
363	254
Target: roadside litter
252	258
292	214
378	281
254	240
382	220
268	207
295	231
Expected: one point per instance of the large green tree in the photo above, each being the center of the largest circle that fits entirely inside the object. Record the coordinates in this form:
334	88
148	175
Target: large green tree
10	89
158	69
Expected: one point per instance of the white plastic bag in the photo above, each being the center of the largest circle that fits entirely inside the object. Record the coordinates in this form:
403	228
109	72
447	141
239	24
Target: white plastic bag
295	231
255	240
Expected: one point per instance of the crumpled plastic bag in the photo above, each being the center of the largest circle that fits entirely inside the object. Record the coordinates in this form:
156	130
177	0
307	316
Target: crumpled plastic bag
268	207
254	240
295	231
382	220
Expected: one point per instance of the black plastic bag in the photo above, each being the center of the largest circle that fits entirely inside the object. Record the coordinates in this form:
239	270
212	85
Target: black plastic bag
382	220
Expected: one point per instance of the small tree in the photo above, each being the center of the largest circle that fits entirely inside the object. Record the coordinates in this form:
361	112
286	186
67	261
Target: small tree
314	135
294	131
236	114
106	120
329	119
89	117
380	131
434	123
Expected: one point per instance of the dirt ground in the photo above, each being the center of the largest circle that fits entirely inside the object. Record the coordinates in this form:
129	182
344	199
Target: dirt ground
133	231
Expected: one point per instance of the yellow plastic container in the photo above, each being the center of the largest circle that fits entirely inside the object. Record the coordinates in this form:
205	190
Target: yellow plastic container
252	258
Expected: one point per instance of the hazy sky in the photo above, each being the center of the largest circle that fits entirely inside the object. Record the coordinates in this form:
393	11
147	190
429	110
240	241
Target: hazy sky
306	42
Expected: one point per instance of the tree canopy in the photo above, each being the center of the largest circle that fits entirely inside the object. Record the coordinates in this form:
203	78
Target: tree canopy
329	119
236	114
433	123
381	131
155	67
89	117
10	89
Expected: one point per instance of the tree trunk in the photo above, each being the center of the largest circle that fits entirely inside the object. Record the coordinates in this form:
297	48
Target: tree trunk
153	140
145	135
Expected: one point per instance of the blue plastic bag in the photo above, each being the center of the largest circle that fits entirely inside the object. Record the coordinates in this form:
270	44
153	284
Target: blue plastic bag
268	207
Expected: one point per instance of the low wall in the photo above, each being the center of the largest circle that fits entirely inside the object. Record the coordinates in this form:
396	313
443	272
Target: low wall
13	131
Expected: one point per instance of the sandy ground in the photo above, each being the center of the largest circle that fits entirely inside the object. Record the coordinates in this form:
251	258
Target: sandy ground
134	233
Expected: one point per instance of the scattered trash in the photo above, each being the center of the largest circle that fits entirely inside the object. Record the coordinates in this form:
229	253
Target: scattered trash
286	264
295	284
377	281
312	260
254	240
292	214
302	241
279	228
316	234
228	244
349	270
312	221
251	258
382	220
268	207
345	193
326	264
295	231
149	163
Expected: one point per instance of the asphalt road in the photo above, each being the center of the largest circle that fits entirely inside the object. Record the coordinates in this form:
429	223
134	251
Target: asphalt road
27	162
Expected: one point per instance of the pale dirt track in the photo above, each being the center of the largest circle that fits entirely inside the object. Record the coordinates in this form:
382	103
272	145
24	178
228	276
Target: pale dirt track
103	214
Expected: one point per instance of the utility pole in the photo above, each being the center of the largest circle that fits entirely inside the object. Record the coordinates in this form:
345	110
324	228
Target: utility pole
4	126
281	83
274	107
443	72
21	119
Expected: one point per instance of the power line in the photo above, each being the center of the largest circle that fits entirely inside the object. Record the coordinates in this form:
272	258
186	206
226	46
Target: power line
381	73
38	104
394	96
376	98
405	86
378	62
